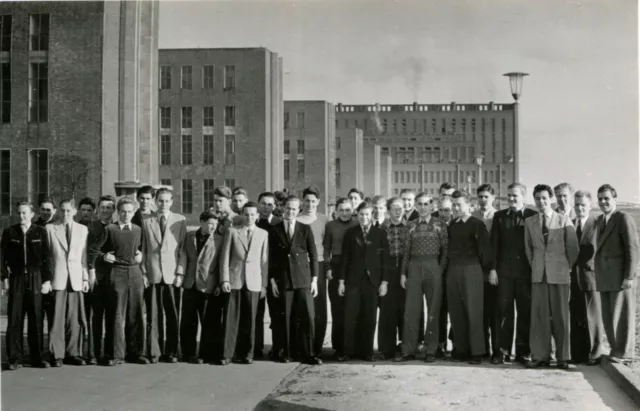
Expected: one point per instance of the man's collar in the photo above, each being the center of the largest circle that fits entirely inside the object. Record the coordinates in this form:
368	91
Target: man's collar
122	225
516	210
401	222
424	219
548	213
27	227
365	228
166	213
464	218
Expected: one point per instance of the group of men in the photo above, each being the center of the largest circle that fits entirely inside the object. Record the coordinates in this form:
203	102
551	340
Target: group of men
144	283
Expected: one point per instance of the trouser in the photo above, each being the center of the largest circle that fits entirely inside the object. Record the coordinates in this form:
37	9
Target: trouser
258	346
337	309
512	289
595	324
24	300
194	308
215	319
278	322
48	311
580	342
162	302
69	324
127	297
299	311
549	317
240	324
360	309
618	316
391	320
98	309
320	310
491	319
465	295
424	279
443	320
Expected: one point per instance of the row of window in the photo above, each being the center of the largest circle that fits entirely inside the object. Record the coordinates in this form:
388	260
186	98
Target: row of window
441	176
299	120
435	126
38	32
208	149
300	171
186	117
287	147
37	178
186	192
207	77
38	104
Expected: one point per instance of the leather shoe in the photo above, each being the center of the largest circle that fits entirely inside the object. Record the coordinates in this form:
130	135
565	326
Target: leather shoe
141	360
40	364
57	363
14	365
224	361
195	360
537	364
404	358
521	359
246	361
369	358
169	359
507	358
563	365
593	361
153	360
74	361
113	362
476	360
387	357
344	358
258	355
497	360
92	361
429	358
313	361
440	353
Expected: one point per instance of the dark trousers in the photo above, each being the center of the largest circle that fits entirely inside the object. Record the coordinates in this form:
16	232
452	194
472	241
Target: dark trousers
194	308
618	316
162	302
276	314
24	300
240	325
465	294
391	315
127	297
549	317
215	319
516	290
491	320
258	345
579	324
48	311
69	324
320	310
337	309
360	310
299	312
98	310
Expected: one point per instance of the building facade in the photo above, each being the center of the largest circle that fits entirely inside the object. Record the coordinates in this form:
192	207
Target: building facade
349	162
434	143
221	113
88	123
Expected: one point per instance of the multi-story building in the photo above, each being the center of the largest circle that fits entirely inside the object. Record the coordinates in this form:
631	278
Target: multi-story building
309	148
221	115
434	143
78	99
349	163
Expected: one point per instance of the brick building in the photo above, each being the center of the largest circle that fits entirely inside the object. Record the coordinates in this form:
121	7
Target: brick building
78	91
221	122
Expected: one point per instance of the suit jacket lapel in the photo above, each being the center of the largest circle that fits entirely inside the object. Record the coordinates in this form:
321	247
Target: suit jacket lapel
280	230
154	222
587	229
60	233
74	234
537	227
613	220
210	243
244	240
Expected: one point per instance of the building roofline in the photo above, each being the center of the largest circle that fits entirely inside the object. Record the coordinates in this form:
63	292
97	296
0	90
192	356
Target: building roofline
419	107
215	49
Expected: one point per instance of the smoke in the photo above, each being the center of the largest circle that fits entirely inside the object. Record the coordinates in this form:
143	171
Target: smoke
376	118
413	75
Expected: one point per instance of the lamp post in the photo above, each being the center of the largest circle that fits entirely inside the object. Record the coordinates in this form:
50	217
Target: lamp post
469	180
515	82
479	158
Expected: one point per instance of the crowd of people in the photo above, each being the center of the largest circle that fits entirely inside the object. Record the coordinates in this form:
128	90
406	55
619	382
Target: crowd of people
139	286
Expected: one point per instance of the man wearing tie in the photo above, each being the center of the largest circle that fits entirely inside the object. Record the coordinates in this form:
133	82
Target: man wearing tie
587	328
244	265
564	200
70	278
409	198
379	204
616	267
293	272
164	261
552	248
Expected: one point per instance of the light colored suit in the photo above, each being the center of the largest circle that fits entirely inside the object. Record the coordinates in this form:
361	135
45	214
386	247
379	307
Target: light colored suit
486	217
68	263
245	261
163	258
202	268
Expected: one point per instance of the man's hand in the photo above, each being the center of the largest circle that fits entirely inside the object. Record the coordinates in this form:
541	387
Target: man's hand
493	277
274	289
341	288
46	287
138	257
109	258
145	281
178	280
403	281
5	286
93	280
85	286
226	287
263	292
383	289
216	292
329	274
626	284
314	287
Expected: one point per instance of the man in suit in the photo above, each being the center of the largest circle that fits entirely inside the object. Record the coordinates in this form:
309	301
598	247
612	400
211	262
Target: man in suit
512	275
266	207
587	328
69	279
616	267
222	206
244	265
564	199
86	211
25	270
552	248
239	198
202	249
409	197
293	271
363	278
164	261
146	200
101	310
48	213
379	204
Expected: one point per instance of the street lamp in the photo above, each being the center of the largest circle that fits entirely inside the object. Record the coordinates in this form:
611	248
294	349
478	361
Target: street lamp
479	158
469	180
515	82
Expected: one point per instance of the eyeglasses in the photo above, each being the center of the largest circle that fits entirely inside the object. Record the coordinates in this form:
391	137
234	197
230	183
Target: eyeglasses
423	204
445	210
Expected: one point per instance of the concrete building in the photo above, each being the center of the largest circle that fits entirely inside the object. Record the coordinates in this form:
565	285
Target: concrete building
309	148
434	143
221	123
372	163
78	91
349	163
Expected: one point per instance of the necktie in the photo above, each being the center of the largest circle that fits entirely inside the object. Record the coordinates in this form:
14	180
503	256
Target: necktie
126	227
365	232
579	230
545	229
249	234
290	230
163	224
68	234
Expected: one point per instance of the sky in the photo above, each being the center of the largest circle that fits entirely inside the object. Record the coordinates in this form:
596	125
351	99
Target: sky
579	107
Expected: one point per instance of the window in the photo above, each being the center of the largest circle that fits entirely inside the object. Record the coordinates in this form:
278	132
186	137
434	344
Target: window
301	147
186	77
473	125
187	117
230	182
165	77
346	123
38	175
165	117
230	116
338	143
207	193
356	123
301	119
207	76
229	77
337	126
207	116
165	150
287	147
464	125
187	196
39	32
187	150
230	149
286	120
433	125
486	176
483	125
5	92
207	149
493	125
287	168
5	182
338	176
5	32
38	92
165	181
395	177
301	169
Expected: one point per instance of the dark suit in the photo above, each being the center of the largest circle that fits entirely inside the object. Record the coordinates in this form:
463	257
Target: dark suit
48	300
514	278
616	259
276	311
293	263
364	266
